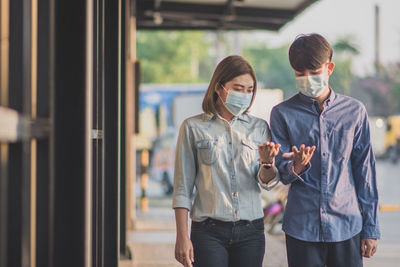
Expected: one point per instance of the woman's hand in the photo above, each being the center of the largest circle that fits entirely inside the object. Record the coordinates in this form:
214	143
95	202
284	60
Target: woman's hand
183	246
184	251
268	151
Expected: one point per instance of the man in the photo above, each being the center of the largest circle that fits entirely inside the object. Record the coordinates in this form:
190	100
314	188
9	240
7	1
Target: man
331	213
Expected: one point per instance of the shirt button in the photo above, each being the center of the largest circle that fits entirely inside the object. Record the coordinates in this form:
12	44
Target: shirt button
236	212
235	194
230	142
233	176
324	154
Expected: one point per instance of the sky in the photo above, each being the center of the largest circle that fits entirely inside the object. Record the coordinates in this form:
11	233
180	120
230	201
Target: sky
337	18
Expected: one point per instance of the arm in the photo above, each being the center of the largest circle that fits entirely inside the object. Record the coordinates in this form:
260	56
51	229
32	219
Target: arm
184	176
183	246
267	177
290	170
185	169
364	173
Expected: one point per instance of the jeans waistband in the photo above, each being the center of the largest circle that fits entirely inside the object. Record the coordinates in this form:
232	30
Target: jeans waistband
241	222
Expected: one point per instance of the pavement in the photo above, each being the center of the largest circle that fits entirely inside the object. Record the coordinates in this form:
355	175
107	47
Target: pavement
153	240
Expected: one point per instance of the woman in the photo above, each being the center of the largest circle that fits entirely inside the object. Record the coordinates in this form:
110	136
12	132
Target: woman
217	153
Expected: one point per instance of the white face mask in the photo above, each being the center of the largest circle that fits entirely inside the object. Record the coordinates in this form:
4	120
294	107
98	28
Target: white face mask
312	86
236	102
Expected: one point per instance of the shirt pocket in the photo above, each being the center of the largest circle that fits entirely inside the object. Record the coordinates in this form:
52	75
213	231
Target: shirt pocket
207	150
249	151
342	143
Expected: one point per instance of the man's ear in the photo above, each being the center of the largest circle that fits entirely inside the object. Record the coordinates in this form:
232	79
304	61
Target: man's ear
331	66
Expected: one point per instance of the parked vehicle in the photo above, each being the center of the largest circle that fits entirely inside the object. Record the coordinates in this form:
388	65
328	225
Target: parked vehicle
274	203
392	140
162	163
378	127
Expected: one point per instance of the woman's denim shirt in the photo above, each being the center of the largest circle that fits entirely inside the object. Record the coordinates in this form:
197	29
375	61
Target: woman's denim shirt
220	159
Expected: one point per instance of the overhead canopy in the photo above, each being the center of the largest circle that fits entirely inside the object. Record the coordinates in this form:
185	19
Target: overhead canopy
217	14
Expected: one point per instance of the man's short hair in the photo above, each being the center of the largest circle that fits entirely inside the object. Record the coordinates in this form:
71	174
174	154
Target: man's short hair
309	51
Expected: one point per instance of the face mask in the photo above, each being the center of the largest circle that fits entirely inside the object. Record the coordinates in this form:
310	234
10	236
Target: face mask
237	102
312	86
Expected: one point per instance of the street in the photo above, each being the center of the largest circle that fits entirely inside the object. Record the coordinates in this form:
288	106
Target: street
156	228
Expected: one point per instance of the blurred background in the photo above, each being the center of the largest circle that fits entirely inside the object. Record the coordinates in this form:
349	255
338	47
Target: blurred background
92	94
365	36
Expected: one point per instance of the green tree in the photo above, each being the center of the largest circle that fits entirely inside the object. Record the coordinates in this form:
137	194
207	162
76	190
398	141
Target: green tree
345	49
272	67
173	56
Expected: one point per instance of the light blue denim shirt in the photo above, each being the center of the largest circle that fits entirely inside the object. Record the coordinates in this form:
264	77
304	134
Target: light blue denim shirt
220	159
336	197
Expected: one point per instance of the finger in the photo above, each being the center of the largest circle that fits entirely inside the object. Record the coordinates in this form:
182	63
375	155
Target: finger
363	248
294	149
302	147
289	155
313	149
368	251
188	263
271	144
183	258
307	150
191	254
277	148
373	250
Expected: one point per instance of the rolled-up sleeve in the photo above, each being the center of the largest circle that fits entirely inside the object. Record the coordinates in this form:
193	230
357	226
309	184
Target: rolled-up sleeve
271	184
364	173
185	169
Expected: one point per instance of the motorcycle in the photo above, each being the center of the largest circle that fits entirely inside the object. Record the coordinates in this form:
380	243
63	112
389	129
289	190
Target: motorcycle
274	207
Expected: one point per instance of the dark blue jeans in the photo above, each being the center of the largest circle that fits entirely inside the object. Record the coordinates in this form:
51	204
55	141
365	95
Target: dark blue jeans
319	254
228	244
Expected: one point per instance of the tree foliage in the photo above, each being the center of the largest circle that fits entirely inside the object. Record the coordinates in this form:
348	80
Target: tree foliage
173	56
272	67
191	56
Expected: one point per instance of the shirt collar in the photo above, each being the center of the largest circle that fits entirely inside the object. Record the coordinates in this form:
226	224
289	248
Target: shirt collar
241	117
310	100
330	99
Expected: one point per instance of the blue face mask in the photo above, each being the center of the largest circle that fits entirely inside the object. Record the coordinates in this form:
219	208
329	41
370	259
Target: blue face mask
236	102
312	86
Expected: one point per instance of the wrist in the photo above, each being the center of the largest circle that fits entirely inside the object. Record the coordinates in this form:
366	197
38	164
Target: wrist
298	167
267	161
182	236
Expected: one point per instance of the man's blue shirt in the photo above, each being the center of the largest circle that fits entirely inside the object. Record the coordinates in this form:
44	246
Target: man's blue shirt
335	197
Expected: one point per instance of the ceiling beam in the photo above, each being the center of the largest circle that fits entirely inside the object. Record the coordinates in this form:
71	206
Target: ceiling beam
206	16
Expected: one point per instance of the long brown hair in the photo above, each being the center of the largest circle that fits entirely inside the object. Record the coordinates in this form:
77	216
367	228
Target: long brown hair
229	68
